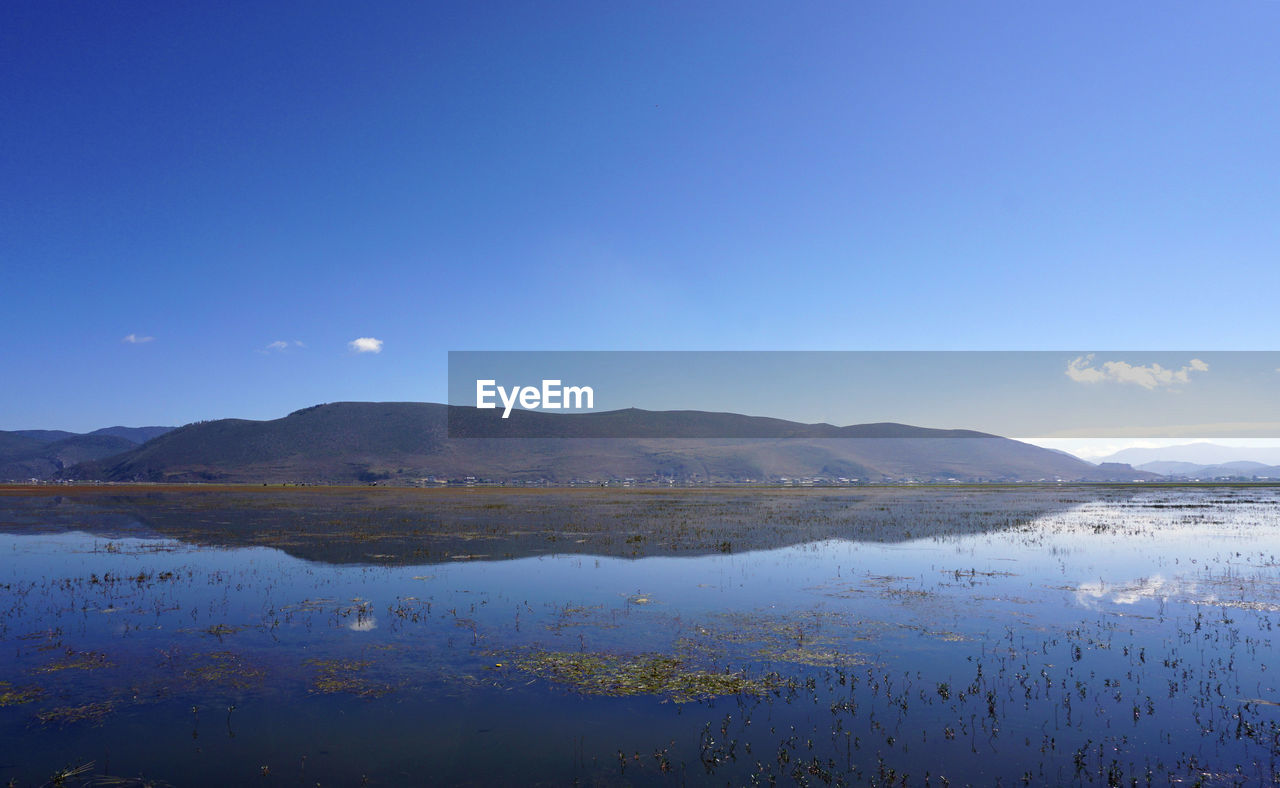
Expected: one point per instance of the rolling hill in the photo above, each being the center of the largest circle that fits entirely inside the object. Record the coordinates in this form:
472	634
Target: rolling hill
42	454
406	442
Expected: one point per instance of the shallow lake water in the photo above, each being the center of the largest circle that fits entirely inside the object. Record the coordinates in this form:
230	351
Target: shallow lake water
929	636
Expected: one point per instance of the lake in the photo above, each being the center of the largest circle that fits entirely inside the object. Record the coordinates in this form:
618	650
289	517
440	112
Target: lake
887	635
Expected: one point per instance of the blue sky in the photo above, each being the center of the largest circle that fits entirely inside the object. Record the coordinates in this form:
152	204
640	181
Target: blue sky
855	176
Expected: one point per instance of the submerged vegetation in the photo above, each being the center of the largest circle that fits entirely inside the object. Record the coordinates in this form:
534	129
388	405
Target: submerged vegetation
347	676
15	696
69	715
644	674
225	669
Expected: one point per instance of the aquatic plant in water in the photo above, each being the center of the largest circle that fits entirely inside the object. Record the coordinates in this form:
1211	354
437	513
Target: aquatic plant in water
644	674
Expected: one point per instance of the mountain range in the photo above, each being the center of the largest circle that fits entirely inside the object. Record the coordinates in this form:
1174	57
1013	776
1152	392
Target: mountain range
42	454
1243	469
1201	454
407	443
1204	461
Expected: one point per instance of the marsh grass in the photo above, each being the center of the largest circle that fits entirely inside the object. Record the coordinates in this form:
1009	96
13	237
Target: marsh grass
221	630
16	696
77	660
589	616
808	638
61	776
223	669
668	677
70	715
346	676
109	781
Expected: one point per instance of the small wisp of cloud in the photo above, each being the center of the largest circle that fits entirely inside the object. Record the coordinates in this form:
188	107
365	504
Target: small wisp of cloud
134	339
280	346
365	345
1150	376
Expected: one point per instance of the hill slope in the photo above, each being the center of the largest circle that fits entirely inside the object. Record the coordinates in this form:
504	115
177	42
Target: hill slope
133	434
47	436
44	460
41	454
403	442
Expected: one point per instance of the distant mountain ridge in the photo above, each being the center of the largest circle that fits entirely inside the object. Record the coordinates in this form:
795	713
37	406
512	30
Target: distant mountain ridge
46	436
1243	469
1201	454
408	442
471	423
41	454
134	434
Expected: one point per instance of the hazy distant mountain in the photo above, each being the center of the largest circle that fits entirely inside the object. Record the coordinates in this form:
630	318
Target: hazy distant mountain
404	442
40	454
1228	470
1244	466
1198	454
1171	468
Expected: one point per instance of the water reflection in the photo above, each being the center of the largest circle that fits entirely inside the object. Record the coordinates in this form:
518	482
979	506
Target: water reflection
411	526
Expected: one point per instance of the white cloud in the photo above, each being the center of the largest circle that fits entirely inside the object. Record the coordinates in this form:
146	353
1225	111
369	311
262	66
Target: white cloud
365	345
1081	370
134	339
1078	369
280	346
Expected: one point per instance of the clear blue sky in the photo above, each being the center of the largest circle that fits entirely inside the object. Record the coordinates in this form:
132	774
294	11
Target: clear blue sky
883	175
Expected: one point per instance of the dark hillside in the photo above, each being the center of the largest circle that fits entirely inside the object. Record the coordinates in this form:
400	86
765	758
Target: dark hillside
406	442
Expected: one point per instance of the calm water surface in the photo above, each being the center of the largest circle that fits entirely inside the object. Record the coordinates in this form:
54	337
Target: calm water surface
961	636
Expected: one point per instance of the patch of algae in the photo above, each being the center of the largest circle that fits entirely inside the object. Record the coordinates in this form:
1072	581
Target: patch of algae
70	715
346	676
16	696
644	674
